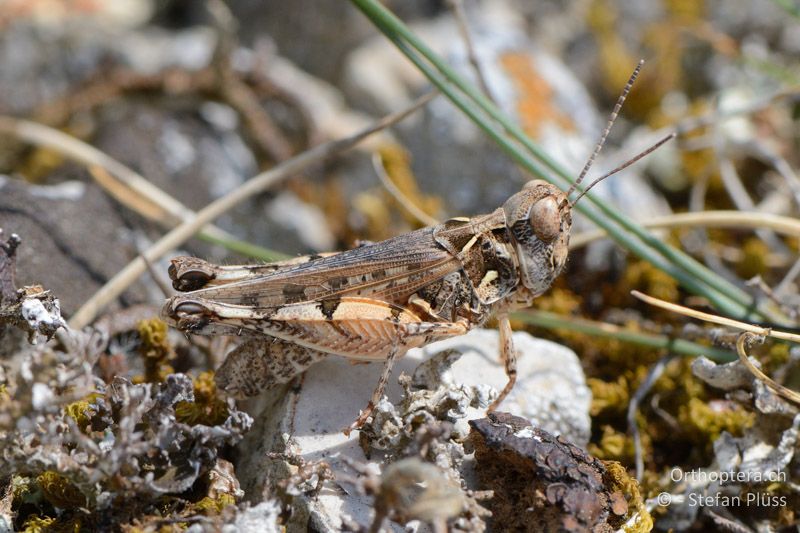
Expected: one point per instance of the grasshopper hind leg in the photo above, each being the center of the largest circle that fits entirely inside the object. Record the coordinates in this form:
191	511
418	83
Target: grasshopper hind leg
257	364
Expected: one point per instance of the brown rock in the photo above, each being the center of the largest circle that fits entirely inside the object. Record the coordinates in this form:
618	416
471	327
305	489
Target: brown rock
541	482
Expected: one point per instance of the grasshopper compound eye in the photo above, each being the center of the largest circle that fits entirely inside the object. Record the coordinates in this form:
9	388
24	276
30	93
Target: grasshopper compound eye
189	281
545	219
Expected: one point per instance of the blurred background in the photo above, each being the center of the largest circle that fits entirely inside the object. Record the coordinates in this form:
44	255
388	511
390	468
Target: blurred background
197	97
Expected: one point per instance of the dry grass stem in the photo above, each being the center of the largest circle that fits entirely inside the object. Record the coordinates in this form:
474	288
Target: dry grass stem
777	388
261	182
750	333
398	195
710	219
125	185
460	15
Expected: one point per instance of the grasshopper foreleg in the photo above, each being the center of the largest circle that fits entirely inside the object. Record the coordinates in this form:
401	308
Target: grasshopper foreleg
508	355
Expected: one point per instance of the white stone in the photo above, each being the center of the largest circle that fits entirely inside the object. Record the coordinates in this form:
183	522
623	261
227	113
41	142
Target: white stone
550	391
42	396
261	518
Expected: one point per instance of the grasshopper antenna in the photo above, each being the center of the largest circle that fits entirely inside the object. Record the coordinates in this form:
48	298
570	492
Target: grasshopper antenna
625	165
611	119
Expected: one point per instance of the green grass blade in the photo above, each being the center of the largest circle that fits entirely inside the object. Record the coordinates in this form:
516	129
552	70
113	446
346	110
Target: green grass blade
726	296
245	248
599	329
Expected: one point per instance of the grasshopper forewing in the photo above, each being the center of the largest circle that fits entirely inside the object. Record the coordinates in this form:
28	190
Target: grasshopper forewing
375	302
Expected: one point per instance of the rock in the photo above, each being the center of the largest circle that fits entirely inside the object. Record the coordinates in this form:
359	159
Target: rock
75	239
542	482
550	390
261	518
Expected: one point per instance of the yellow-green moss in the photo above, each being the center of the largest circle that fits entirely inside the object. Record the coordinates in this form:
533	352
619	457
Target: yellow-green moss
754	260
706	423
643	276
59	491
214	506
207	408
20	486
613	396
613	445
777	356
37	524
617	479
82	410
68	523
155	349
559	300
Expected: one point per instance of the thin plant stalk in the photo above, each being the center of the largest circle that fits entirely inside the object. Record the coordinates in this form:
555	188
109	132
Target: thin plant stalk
726	296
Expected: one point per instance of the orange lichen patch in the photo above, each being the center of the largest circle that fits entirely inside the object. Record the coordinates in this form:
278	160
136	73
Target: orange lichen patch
535	105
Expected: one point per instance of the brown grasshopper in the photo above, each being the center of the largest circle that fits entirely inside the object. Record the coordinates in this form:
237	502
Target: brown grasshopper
375	302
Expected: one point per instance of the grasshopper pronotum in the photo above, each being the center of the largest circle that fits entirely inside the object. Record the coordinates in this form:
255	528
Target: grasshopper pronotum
375	302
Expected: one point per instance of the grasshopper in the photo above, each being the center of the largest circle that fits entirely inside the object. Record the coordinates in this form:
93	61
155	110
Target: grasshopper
377	301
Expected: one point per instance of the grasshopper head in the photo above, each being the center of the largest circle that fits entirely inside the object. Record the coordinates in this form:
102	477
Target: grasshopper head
539	218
